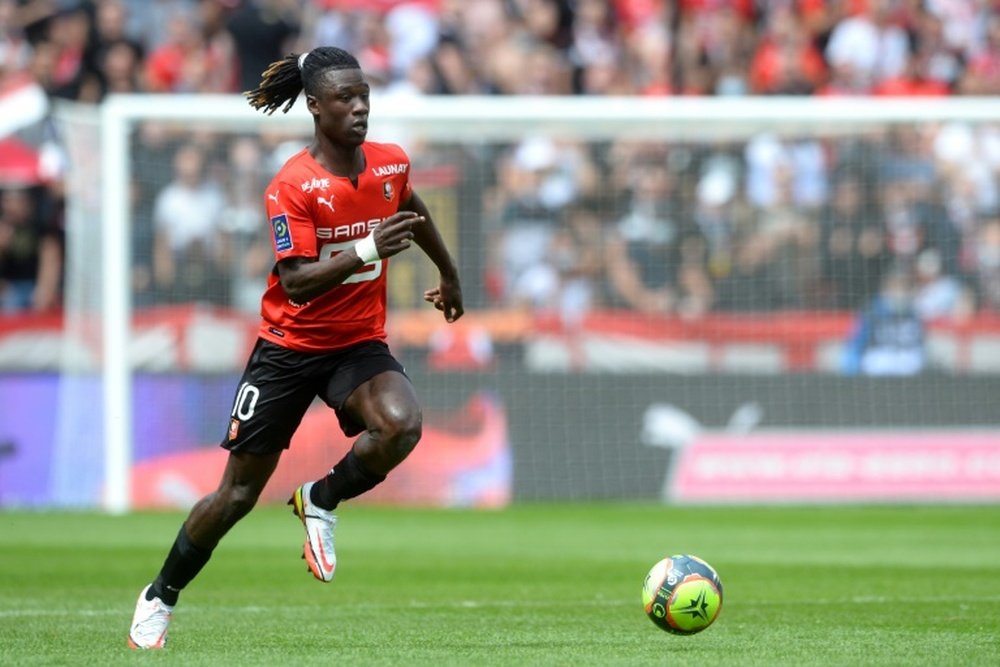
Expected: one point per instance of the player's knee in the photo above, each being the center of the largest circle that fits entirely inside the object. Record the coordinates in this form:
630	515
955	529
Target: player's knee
401	430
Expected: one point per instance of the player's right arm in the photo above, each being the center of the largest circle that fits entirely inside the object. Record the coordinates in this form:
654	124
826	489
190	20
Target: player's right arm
305	278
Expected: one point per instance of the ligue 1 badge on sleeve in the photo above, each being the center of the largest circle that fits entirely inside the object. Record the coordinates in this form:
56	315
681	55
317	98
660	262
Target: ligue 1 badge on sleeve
282	233
234	428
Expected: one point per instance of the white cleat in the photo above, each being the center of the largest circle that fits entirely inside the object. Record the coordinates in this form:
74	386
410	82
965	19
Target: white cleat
149	623
319	524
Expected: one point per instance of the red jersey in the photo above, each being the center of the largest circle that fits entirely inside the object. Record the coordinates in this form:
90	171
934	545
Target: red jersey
315	214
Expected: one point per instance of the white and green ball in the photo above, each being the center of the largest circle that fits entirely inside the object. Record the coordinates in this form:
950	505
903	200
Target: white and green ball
682	594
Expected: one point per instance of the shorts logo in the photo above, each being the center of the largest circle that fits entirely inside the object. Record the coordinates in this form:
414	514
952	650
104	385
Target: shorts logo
234	428
387	190
282	234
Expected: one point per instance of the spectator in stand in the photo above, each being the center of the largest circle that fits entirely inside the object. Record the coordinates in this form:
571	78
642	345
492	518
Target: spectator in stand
119	67
775	163
952	216
481	29
715	41
245	253
987	264
213	17
889	337
959	21
15	60
868	46
656	260
371	43
262	32
549	21
449	69
852	245
652	66
905	229
577	254
186	242
413	31
789	239
30	253
61	62
116	57
924	193
148	18
14	47
537	180
934	59
190	62
111	20
966	160
911	82
939	296
536	68
719	212
594	44
785	62
982	76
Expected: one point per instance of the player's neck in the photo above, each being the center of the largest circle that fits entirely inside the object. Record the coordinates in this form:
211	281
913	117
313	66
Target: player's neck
344	161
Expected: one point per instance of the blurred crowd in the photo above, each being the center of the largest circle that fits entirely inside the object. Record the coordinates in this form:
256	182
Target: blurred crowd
686	228
85	49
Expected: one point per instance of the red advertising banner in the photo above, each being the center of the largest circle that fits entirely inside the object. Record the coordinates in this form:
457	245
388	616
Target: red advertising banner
795	466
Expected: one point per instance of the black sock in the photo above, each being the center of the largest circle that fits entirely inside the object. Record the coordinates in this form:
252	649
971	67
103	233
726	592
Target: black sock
349	478
183	564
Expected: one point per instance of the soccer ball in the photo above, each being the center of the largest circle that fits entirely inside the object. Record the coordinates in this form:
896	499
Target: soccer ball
682	594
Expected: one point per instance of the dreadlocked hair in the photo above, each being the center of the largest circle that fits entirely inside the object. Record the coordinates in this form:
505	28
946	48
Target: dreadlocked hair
284	79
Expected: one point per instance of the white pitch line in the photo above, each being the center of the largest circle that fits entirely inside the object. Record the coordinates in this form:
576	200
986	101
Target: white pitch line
476	604
258	609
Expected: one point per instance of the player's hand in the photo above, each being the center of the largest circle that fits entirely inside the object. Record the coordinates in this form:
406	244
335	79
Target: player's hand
447	297
395	234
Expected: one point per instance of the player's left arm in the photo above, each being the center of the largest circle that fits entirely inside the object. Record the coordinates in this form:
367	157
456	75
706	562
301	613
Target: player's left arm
447	296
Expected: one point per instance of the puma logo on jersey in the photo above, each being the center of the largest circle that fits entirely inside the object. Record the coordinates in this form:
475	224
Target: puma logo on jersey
325	202
273	197
390	169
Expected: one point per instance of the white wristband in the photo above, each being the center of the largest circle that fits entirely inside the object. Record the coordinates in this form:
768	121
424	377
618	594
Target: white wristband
366	250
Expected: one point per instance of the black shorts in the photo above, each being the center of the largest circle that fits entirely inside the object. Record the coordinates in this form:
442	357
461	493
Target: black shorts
279	385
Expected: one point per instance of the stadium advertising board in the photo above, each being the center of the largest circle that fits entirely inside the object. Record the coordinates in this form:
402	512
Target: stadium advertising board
794	466
492	437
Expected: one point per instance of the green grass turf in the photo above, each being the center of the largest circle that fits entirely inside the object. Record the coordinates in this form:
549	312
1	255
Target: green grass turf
532	585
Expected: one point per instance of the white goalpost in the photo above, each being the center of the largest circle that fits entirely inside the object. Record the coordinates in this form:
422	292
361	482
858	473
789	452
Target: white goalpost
490	128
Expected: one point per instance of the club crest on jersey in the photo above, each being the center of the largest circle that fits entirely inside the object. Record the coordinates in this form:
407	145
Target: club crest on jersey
282	234
315	184
387	190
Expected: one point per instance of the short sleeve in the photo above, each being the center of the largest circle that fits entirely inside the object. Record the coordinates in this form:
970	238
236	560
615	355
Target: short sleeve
407	189
293	233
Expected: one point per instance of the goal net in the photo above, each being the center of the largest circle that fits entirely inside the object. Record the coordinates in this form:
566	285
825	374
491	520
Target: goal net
698	300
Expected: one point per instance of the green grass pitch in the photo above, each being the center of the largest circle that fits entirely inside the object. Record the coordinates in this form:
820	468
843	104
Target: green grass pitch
531	585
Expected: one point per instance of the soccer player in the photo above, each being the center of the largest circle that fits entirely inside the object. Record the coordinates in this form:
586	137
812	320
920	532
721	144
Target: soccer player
337	210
